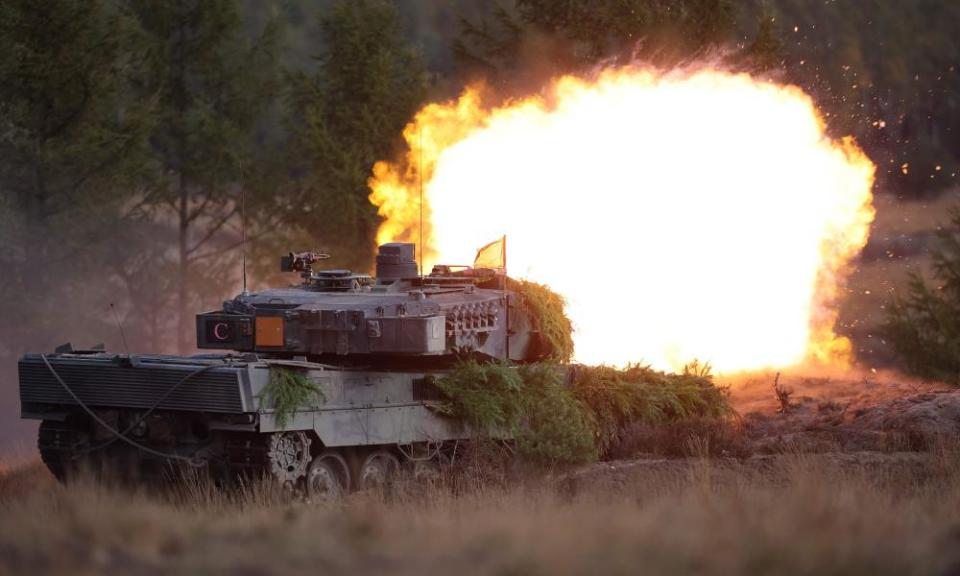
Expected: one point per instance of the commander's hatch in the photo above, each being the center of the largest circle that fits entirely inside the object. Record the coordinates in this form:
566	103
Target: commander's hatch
323	280
337	281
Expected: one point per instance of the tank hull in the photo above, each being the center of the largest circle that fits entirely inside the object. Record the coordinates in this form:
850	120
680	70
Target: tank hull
142	413
327	384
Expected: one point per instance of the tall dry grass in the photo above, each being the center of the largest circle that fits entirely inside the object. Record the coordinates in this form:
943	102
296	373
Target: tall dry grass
794	514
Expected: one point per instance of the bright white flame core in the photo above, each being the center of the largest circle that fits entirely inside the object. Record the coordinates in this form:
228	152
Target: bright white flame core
691	216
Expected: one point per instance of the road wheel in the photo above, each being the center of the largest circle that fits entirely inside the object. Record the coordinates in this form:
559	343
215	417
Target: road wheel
328	478
378	470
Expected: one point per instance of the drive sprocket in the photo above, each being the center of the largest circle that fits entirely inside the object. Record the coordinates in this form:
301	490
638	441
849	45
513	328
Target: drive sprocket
288	455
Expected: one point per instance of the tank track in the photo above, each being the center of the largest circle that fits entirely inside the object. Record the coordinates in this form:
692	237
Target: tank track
283	456
57	443
246	455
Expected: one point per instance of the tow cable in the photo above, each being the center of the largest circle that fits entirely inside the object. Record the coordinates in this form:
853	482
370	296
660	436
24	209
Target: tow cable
196	463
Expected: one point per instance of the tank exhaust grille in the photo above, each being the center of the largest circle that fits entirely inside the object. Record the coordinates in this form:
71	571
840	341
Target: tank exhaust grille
105	382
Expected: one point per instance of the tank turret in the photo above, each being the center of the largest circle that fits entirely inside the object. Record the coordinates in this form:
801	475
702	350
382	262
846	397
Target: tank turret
339	314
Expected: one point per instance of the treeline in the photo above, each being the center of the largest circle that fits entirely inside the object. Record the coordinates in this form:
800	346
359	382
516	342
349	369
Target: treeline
886	72
131	132
883	71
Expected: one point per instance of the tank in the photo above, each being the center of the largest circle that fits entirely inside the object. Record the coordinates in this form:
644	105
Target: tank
368	349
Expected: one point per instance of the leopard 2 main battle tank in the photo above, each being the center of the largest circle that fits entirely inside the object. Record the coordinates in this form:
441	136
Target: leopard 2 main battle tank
368	349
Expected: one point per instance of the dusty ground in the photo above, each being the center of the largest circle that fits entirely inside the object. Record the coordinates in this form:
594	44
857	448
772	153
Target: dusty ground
851	411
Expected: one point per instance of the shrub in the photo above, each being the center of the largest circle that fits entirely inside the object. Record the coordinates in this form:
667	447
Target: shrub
924	325
560	414
557	426
697	436
619	398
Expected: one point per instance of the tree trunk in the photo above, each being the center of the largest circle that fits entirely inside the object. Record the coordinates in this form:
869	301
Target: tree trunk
183	192
183	276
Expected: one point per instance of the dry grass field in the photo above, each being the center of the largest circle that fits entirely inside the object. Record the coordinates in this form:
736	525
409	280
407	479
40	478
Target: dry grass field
864	513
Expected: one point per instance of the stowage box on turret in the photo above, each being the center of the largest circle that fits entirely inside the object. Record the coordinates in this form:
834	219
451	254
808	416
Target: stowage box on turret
368	348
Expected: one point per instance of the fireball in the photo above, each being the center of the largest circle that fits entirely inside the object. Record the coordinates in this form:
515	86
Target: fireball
695	215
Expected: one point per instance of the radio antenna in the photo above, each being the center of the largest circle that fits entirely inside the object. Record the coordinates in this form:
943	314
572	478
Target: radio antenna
243	229
420	224
116	318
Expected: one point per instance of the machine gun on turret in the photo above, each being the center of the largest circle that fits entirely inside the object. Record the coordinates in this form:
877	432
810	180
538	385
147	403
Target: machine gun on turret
323	280
302	262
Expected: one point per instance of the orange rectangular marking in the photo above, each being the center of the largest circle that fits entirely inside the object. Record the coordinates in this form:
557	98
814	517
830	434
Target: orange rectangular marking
269	331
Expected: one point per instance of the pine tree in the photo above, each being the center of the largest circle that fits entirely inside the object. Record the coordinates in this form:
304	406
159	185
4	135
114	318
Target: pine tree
346	116
212	85
765	51
576	34
73	141
924	325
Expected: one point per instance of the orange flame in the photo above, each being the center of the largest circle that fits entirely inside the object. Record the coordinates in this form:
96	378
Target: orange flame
690	215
